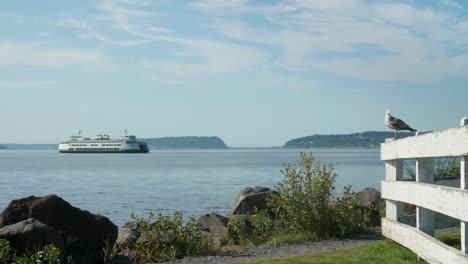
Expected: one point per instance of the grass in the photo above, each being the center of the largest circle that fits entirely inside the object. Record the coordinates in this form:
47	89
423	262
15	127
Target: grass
386	252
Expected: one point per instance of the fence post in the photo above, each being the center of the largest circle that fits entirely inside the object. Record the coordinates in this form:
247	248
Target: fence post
464	185
394	172
425	174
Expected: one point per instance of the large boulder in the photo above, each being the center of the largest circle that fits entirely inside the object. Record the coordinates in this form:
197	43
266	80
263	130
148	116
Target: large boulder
369	200
250	199
30	235
85	234
213	227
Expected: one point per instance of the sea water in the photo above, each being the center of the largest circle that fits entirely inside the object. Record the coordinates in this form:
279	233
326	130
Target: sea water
192	181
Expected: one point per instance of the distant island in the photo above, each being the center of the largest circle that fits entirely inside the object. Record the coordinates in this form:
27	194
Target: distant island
154	143
370	139
186	143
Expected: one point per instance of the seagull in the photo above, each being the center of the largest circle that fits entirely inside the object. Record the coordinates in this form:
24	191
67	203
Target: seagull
396	124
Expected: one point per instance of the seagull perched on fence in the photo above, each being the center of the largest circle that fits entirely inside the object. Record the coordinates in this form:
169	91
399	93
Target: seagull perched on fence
395	123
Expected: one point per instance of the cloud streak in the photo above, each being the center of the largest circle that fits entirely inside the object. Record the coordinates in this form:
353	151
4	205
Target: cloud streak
14	53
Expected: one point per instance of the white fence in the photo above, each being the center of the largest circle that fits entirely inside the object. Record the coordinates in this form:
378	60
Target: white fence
428	197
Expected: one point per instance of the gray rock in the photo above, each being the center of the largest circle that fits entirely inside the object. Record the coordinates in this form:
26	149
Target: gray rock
249	199
30	235
369	201
369	197
85	235
213	227
128	235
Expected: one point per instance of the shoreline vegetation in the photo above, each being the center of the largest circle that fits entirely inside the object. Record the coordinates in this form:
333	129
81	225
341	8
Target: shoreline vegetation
302	207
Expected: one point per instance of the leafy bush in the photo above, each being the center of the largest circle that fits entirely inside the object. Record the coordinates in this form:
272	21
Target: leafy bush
7	254
304	208
250	229
168	238
48	255
305	201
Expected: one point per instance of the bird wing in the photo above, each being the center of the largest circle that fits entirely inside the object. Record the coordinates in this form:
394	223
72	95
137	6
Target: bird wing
399	124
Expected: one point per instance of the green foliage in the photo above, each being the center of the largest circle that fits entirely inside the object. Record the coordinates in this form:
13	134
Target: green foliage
48	255
250	230
349	219
304	196
168	238
304	208
7	254
304	201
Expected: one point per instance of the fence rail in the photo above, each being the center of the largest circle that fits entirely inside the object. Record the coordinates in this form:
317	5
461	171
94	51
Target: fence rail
429	197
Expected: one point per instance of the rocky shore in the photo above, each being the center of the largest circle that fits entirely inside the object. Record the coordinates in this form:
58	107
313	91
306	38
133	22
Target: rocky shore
33	222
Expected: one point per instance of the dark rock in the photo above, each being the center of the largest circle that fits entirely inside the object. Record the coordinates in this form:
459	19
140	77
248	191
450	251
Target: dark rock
249	199
369	200
30	235
85	235
213	227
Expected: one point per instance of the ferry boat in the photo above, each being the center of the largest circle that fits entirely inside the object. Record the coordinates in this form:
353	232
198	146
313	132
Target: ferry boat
103	144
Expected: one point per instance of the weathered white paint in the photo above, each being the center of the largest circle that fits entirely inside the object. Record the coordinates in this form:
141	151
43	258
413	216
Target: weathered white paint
448	143
446	200
394	172
426	246
436	204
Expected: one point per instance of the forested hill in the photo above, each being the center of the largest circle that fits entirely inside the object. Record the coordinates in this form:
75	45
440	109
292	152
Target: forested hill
186	143
3	147
371	139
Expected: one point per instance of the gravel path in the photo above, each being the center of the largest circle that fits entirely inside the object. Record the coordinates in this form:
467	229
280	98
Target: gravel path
281	251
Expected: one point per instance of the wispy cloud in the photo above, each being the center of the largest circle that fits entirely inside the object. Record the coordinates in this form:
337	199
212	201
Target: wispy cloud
391	40
14	53
353	38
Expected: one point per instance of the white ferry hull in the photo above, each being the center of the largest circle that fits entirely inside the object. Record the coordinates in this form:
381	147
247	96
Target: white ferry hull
103	144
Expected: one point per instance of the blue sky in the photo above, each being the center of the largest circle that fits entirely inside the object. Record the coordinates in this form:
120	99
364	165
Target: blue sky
255	73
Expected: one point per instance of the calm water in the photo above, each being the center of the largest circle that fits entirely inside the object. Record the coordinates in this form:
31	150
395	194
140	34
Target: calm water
192	181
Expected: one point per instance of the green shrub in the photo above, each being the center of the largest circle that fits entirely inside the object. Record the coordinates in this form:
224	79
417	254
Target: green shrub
304	208
348	218
250	230
7	254
305	202
48	255
168	238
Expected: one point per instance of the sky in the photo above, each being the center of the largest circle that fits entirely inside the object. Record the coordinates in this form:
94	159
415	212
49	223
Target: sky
253	72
